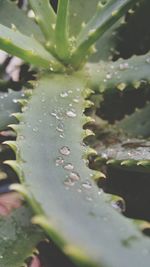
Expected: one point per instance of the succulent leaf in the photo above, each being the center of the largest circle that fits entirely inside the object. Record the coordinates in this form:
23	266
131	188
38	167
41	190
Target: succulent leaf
61	33
137	124
119	74
45	17
27	48
79	14
60	190
18	19
107	14
9	105
18	238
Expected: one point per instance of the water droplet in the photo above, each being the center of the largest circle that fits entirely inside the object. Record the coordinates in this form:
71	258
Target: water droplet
68	167
59	161
1	257
71	114
79	190
53	114
15	100
43	100
124	66
63	95
89	199
69	182
87	185
65	151
62	135
74	176
60	127
35	129
108	76
75	100
100	192
148	60
57	115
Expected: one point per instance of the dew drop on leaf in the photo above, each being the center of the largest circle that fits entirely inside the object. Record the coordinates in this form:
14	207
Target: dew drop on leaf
59	161
69	182
35	129
89	199
124	66
62	135
75	100
68	167
108	76
63	95
65	150
100	192
15	100
60	127
74	176
79	190
148	60
87	185
71	114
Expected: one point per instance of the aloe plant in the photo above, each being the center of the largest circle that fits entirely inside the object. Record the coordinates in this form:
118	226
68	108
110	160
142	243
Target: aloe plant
54	129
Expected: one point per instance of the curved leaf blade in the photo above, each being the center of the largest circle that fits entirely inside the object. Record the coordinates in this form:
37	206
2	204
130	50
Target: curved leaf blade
19	19
66	200
104	18
45	17
9	105
25	47
80	12
18	238
137	124
119	74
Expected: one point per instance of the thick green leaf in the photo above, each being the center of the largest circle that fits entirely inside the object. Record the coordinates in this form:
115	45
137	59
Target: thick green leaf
80	12
137	124
9	105
61	32
106	45
58	184
103	19
27	48
45	17
119	74
10	15
18	238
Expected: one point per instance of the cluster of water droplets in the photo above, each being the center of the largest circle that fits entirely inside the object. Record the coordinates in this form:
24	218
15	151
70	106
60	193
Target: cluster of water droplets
62	112
114	72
